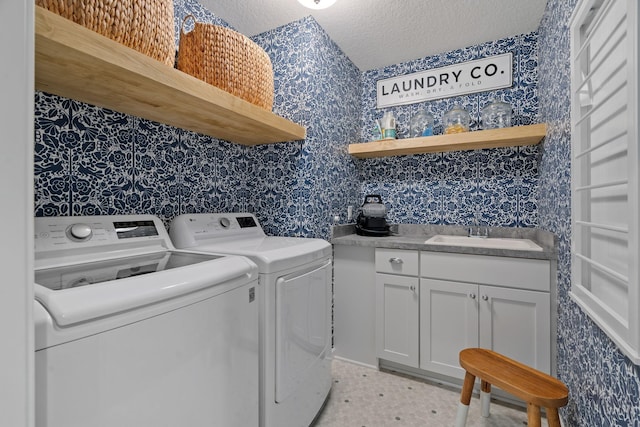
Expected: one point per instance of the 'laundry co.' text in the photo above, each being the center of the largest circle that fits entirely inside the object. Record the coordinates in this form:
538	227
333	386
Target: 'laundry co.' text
474	76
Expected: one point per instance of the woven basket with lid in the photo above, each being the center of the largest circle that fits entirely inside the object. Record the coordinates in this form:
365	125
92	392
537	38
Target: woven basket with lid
228	60
143	25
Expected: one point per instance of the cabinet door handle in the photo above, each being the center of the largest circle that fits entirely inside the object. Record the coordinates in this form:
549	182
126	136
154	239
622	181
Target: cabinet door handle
485	298
472	295
395	260
413	288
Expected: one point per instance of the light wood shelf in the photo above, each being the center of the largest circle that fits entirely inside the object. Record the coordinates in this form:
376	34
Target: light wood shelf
492	138
75	62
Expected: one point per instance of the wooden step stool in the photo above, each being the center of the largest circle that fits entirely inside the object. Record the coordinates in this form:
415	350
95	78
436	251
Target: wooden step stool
534	387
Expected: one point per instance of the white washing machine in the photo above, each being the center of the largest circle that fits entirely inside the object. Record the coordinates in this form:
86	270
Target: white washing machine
295	309
131	333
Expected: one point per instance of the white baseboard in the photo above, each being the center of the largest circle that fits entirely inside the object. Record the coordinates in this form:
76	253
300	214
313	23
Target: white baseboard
355	362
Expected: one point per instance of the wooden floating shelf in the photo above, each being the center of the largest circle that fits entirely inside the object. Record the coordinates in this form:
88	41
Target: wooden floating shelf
492	138
75	62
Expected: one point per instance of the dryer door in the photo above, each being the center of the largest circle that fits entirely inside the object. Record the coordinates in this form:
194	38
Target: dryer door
303	326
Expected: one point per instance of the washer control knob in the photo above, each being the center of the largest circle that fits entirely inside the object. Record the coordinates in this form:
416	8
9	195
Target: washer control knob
224	222
79	232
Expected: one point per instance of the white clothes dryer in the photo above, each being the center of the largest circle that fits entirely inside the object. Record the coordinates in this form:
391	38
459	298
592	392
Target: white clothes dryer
130	332
295	309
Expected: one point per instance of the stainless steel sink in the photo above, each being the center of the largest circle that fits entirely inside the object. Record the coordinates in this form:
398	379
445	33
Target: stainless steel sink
485	242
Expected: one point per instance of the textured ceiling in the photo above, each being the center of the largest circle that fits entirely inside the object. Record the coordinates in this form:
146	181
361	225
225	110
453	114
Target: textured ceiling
376	33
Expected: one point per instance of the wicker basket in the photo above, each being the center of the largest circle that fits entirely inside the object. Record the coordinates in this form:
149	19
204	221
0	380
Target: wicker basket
228	60
143	25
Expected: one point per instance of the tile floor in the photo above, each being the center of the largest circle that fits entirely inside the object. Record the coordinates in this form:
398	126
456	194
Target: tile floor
365	397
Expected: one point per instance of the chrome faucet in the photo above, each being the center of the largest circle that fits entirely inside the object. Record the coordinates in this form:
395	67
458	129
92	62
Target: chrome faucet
476	230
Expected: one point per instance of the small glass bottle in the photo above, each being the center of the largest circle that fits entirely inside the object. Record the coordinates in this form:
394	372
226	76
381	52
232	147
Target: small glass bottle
421	125
456	120
495	115
376	132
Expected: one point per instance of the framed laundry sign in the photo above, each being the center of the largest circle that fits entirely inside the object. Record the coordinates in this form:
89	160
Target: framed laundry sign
493	72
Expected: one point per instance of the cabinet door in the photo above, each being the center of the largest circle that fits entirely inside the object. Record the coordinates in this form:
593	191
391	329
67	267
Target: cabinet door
448	324
397	318
516	323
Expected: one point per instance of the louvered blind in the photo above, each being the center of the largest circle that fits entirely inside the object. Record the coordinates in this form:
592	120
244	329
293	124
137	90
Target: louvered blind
604	162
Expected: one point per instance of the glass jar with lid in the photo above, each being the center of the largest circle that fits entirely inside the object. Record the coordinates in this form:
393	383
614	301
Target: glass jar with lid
496	114
456	120
421	125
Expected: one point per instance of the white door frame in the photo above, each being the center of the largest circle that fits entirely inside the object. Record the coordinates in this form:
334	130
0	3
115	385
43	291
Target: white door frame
16	213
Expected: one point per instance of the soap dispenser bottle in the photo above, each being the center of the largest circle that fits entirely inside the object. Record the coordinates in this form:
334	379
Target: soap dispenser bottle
388	126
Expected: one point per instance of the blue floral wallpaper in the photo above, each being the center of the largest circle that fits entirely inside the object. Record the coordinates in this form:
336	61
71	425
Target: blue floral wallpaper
604	386
92	161
302	189
497	187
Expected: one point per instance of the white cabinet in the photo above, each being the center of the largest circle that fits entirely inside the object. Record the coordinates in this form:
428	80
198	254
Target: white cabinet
419	309
455	315
448	323
397	318
499	303
516	323
354	296
397	261
519	273
397	306
462	300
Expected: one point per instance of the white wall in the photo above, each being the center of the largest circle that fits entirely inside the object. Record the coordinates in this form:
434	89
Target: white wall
16	213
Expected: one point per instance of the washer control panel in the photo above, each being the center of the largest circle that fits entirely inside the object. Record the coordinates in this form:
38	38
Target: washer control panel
223	223
186	229
60	233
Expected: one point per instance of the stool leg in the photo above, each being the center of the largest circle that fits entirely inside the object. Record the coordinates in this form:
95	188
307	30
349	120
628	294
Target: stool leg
485	397
533	415
552	417
465	399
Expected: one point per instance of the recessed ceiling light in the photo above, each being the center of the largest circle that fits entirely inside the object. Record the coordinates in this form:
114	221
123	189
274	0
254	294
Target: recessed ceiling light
316	4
